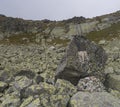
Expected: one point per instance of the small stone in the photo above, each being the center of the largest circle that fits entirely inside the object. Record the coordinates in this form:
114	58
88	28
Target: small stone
39	79
22	82
35	103
27	101
109	70
3	86
113	81
102	42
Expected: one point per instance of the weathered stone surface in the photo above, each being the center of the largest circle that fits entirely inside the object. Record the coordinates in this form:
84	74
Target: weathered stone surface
39	89
35	103
65	87
113	81
3	86
39	79
82	58
27	101
22	82
11	100
4	76
96	99
59	100
90	84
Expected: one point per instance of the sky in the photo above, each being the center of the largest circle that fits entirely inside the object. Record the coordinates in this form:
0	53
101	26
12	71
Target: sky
57	9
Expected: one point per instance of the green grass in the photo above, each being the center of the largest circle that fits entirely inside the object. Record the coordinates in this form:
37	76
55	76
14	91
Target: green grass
106	34
18	39
63	42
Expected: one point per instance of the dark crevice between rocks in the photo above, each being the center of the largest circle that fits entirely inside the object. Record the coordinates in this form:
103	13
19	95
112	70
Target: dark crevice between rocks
28	73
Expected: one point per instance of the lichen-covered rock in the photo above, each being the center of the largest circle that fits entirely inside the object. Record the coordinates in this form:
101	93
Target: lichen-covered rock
4	76
113	81
27	101
22	82
10	100
90	84
65	87
82	58
114	93
59	100
96	99
3	86
35	103
39	89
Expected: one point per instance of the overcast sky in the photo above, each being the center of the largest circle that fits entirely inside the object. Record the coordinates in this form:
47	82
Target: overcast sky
57	9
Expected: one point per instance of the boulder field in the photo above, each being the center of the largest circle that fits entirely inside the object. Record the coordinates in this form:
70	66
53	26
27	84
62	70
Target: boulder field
81	75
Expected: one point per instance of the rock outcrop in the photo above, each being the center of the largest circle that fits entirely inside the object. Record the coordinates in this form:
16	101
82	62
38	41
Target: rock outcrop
83	58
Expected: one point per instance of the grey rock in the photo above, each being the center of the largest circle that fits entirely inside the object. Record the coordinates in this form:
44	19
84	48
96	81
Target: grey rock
27	101
59	100
22	82
10	100
34	103
3	86
96	99
65	87
82	58
39	79
34	90
4	76
90	84
113	81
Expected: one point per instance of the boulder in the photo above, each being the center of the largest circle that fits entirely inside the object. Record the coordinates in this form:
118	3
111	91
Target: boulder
96	99
42	88
90	84
65	87
82	58
113	81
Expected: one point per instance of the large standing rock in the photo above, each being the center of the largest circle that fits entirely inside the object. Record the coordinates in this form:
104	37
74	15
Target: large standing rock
96	99
82	58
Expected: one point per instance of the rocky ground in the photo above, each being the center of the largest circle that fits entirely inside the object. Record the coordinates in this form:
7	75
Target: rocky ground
27	78
36	69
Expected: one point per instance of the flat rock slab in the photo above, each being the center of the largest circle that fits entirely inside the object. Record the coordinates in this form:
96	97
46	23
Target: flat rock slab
83	58
96	99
